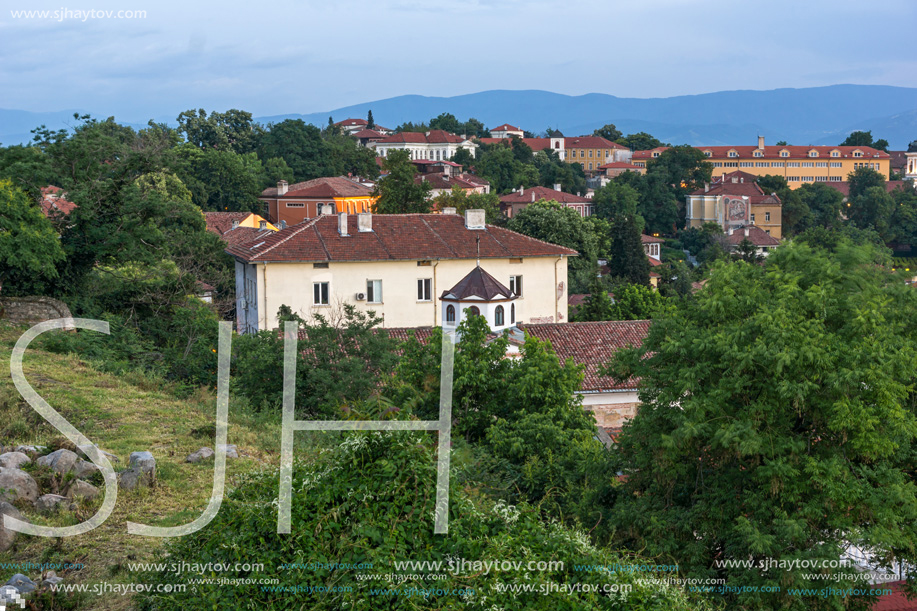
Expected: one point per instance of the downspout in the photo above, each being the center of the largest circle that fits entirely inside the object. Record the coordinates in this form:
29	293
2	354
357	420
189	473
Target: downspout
556	299
433	296
264	293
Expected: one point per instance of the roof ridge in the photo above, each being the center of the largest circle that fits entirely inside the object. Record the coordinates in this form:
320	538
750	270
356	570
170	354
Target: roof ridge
289	237
436	233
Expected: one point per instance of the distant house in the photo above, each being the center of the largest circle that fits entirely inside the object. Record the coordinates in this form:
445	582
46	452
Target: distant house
512	203
435	145
652	246
54	203
890	185
352	126
444	176
763	241
616	168
397	265
910	170
237	228
295	203
588	151
735	200
365	136
506	130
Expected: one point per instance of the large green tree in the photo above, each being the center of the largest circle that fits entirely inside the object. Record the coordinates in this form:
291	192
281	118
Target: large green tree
777	423
864	138
397	191
232	129
29	246
609	132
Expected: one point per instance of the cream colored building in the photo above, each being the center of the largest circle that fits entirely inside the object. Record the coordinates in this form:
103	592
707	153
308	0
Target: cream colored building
398	265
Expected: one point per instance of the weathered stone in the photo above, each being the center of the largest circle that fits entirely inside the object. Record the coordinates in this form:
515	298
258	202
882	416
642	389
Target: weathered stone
61	461
80	489
202	454
29	310
144	461
16	484
84	468
129	479
7	536
14	460
51	580
141	471
232	451
22	583
10	596
51	502
31	450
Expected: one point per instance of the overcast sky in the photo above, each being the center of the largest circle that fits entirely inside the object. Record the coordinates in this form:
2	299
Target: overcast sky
300	56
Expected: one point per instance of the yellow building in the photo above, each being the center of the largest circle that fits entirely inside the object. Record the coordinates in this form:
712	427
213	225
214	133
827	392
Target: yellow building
594	151
735	200
798	164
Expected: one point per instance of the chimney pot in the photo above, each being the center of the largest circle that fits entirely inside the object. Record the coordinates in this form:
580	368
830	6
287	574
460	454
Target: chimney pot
557	186
262	224
342	224
746	232
474	219
282	187
533	196
283	224
760	142
365	221
706	187
449	210
235	224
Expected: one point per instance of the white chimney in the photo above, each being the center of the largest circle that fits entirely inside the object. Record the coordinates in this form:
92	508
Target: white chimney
235	224
731	230
706	187
262	225
474	219
557	186
760	142
449	210
746	232
282	187
521	189
533	196
365	221
342	224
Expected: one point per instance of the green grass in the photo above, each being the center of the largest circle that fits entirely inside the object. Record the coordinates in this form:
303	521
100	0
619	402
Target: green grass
123	415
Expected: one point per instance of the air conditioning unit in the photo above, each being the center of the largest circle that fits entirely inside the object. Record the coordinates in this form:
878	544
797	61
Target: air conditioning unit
361	296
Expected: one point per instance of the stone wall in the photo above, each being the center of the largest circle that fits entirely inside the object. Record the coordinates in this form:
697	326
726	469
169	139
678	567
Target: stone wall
31	310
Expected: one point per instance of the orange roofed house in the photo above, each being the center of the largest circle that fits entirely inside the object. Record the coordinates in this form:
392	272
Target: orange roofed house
292	204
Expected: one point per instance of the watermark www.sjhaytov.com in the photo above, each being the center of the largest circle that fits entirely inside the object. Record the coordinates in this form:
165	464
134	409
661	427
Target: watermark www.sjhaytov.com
66	14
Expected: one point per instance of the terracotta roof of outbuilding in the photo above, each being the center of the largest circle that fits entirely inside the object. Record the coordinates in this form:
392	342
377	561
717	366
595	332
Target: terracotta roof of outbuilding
329	186
395	237
648	154
352	122
53	202
368	133
441	181
542	193
844	186
221	222
898	159
896	601
649	239
477	284
506	127
591	142
756	235
592	344
619	165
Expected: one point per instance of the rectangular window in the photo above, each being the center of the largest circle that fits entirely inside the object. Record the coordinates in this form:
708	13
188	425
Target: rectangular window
836	164
516	260
752	218
374	291
515	285
320	265
792	179
821	164
767	216
424	289
320	293
296	205
424	263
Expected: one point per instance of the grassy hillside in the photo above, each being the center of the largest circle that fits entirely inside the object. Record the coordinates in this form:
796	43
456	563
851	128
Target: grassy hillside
121	415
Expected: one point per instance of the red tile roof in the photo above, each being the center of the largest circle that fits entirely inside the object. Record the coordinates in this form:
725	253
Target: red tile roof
592	344
368	133
896	601
506	127
844	186
441	181
352	122
619	165
536	144
795	152
221	222
395	237
756	235
648	154
477	283
436	136
542	193
591	142
53	202
332	186
648	239
898	159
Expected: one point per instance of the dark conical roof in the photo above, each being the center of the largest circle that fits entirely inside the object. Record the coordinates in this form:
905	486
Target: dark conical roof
477	284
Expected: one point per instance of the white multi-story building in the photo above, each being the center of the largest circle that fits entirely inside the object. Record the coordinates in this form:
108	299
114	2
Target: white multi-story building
435	145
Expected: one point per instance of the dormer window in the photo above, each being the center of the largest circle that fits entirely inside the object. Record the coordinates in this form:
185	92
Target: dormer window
655	153
758	154
813	153
733	154
708	153
784	153
835	153
858	153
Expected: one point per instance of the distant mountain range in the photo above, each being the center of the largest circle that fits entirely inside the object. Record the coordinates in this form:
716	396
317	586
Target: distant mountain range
815	115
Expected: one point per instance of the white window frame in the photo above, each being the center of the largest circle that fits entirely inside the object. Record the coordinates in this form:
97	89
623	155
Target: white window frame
317	296
373	287
425	289
515	285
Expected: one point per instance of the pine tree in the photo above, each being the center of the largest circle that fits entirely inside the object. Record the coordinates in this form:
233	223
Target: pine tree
370	123
628	261
597	306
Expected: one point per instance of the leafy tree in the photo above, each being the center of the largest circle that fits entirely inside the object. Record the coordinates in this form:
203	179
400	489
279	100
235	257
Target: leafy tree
557	224
474	128
641	141
230	130
553	133
29	246
598	305
904	216
638	302
370	122
613	199
499	165
447	122
220	179
464	158
28	167
300	145
782	143
796	216
397	191
873	210
746	251
768	404
627	260
656	204
461	201
609	132
862	179
683	168
824	203
552	171
864	138
274	170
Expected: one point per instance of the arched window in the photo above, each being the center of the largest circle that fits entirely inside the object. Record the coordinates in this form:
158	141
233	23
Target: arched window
474	311
450	313
512	313
498	316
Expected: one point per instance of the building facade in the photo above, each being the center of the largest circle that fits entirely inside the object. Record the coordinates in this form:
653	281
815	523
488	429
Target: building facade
435	145
512	203
735	200
397	265
292	204
506	130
